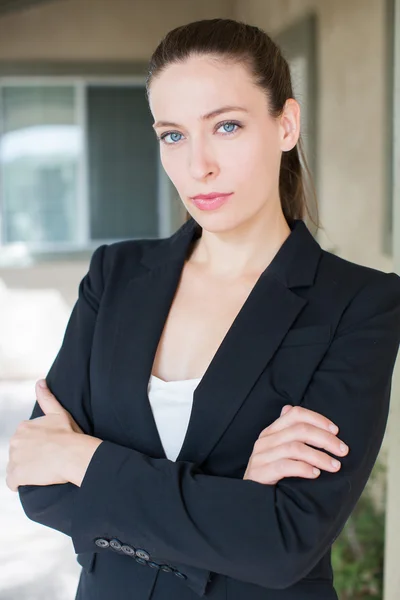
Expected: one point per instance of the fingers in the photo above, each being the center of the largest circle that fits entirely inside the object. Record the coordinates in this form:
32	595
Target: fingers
273	472
42	390
47	401
50	405
282	449
295	414
306	433
302	453
285	409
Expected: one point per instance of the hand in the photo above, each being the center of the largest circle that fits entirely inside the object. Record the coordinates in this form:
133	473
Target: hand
281	449
39	447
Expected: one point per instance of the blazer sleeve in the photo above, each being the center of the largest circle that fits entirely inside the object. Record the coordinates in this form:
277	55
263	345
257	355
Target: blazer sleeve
68	380
270	535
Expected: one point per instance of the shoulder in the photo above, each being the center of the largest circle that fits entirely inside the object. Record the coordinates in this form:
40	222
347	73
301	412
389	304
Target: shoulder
370	291
344	270
125	256
116	263
120	259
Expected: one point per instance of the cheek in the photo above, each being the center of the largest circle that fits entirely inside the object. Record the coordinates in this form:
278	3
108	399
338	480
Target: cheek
262	159
171	162
236	159
250	161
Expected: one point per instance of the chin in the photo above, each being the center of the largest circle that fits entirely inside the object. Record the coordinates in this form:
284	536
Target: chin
215	223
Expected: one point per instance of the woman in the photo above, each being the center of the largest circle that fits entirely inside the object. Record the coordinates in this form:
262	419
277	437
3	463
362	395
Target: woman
279	344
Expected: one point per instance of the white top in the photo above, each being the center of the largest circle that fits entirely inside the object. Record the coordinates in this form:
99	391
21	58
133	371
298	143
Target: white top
171	403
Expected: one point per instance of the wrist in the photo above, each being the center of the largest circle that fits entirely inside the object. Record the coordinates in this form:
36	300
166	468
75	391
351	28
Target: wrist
79	452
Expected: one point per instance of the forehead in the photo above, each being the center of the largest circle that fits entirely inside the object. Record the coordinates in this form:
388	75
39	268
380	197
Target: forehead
199	85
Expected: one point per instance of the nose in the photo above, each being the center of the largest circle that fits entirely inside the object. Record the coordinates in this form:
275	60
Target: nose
202	162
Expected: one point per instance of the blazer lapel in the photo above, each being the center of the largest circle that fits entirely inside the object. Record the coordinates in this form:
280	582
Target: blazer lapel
249	345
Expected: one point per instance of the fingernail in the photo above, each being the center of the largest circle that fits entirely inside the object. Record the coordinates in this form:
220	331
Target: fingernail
333	428
42	383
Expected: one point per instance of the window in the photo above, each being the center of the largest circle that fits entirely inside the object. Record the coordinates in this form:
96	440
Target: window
79	164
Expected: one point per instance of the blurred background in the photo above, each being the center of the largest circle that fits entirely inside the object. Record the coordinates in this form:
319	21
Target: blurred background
79	167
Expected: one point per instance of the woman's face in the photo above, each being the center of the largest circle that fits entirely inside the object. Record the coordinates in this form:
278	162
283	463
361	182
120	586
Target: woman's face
235	151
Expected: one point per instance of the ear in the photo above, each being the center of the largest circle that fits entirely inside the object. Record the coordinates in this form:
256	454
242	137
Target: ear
290	125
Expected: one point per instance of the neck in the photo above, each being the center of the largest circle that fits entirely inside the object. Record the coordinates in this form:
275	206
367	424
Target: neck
245	250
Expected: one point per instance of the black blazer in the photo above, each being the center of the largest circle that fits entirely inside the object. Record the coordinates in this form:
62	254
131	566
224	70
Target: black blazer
316	331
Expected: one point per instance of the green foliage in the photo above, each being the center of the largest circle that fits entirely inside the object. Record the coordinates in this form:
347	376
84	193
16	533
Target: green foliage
358	552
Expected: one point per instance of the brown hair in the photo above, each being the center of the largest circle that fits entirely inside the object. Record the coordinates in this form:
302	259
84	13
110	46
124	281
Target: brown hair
240	42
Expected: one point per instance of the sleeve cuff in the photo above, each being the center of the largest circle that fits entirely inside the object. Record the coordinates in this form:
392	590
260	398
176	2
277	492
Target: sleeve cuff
90	515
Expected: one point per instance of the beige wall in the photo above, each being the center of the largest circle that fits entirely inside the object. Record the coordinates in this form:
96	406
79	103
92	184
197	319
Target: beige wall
98	29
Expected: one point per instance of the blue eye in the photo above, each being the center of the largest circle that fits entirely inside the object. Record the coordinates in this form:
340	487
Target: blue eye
162	137
229	123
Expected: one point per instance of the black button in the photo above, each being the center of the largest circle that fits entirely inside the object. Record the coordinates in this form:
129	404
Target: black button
116	544
101	543
141	561
128	550
153	565
166	568
180	575
142	554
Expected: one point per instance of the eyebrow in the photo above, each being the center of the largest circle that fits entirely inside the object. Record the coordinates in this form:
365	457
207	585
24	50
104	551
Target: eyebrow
209	115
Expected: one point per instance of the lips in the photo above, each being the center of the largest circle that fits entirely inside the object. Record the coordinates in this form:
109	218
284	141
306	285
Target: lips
210	201
210	196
